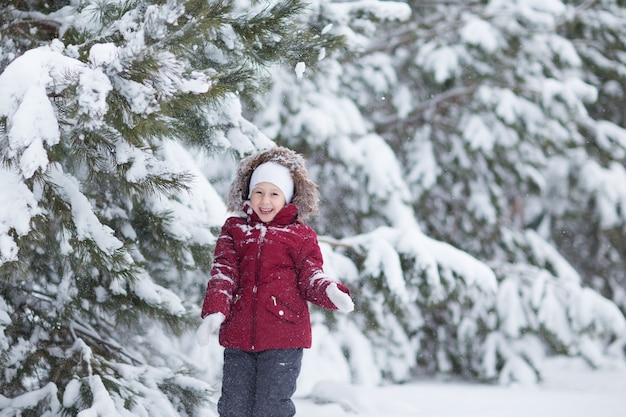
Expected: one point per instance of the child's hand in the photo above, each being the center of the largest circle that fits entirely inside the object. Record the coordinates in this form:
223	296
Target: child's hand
340	297
209	325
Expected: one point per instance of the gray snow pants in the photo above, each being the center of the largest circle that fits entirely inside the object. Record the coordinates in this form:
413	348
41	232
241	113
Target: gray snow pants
259	384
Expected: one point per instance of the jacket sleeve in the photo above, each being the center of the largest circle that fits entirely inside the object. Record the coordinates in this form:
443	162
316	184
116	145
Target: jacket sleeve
312	280
224	279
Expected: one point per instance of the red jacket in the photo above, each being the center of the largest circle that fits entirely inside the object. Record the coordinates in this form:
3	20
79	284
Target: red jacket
261	279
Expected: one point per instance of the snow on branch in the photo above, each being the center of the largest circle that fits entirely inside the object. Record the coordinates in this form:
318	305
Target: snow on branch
611	138
388	11
30	400
157	296
607	185
353	17
568	318
5	320
153	385
85	220
102	403
383	246
27	84
17	207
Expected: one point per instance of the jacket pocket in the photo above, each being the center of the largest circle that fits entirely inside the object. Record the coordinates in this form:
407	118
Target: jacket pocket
282	310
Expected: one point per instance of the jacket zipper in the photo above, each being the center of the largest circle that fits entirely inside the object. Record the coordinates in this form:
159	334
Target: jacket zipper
263	230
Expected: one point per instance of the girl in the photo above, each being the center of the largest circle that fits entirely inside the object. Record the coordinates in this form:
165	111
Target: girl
267	267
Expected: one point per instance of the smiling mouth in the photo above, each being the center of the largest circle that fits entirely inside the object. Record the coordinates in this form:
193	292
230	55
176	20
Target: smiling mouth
266	211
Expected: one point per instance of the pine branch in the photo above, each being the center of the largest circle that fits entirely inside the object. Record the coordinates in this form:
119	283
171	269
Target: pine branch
114	349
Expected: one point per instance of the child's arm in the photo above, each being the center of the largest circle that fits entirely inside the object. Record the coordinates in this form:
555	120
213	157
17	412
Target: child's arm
224	276
314	284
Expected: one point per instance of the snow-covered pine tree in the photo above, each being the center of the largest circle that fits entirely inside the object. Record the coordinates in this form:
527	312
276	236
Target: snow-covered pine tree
106	224
417	298
464	122
591	234
504	109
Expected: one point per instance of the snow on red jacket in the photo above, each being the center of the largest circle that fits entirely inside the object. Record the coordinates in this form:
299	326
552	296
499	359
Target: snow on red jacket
262	277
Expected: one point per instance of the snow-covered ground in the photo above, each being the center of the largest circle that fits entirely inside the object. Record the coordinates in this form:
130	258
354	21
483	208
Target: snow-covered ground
569	389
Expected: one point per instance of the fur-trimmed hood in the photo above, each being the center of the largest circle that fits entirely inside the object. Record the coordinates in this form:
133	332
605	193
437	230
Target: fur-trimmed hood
306	195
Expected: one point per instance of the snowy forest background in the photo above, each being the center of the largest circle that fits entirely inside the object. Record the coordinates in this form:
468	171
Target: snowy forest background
470	157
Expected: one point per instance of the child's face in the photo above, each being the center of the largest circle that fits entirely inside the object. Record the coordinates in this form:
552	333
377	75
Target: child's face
267	200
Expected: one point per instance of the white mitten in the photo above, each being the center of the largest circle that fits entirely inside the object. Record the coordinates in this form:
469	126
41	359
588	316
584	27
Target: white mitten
209	325
340	299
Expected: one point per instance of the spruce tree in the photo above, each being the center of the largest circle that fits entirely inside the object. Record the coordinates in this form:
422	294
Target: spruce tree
598	34
108	236
457	139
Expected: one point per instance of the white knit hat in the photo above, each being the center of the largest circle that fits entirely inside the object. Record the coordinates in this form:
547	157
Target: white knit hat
276	174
